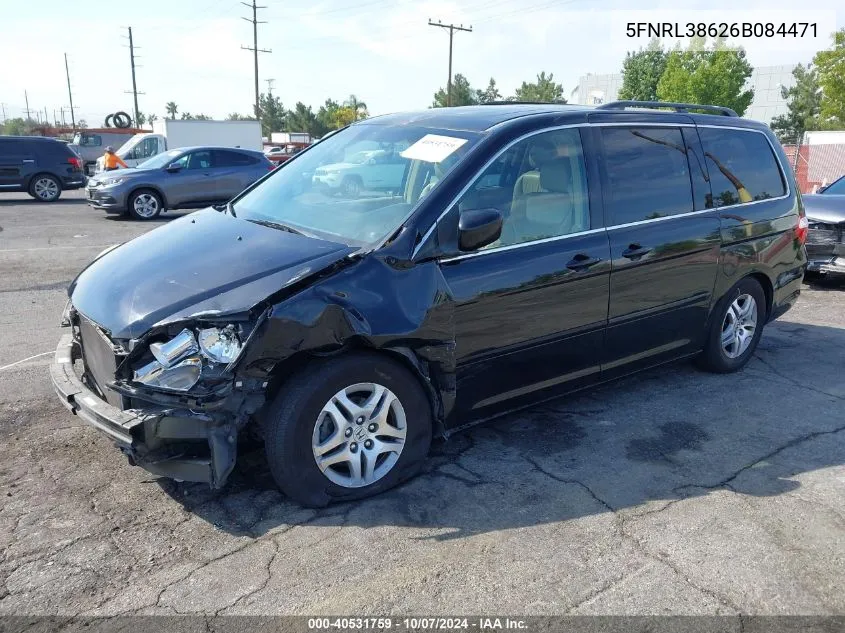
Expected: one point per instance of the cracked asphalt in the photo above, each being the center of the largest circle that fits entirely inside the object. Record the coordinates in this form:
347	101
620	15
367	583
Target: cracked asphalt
672	492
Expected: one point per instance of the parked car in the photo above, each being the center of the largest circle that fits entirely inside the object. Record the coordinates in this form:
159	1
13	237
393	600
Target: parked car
281	154
43	167
826	238
530	251
363	172
187	178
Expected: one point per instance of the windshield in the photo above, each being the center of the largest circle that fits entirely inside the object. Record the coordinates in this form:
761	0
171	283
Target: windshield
160	160
358	185
837	188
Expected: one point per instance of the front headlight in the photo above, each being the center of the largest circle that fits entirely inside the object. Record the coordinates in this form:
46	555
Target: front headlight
111	182
220	345
178	363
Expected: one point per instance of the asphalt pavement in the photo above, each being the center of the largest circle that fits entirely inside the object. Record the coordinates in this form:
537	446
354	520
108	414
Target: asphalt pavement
672	492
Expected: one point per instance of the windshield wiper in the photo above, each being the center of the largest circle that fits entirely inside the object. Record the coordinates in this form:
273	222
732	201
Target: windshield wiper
230	209
276	225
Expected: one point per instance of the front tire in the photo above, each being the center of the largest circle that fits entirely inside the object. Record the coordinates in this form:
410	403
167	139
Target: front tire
347	428
45	188
736	328
144	204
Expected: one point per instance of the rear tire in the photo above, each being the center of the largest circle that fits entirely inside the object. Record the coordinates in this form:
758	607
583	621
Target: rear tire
144	204
45	188
735	328
309	422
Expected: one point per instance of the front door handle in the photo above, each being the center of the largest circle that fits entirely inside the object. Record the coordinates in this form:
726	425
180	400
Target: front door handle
28	160
582	261
635	251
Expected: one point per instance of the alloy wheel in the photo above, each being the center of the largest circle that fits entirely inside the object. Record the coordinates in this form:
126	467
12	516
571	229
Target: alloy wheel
145	205
739	326
359	435
46	189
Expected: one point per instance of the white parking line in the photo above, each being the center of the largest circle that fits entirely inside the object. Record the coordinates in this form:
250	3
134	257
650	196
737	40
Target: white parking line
23	360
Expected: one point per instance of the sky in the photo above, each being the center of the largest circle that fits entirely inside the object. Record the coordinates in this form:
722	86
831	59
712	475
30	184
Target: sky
383	51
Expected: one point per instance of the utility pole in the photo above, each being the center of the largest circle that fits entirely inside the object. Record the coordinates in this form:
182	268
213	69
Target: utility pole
62	110
3	105
26	98
69	95
452	28
255	50
46	116
270	86
134	87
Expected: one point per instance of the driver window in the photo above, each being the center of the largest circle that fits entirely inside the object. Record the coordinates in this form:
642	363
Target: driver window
149	147
540	187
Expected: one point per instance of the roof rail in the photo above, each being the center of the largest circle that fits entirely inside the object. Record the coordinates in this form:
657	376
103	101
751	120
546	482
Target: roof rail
677	107
506	102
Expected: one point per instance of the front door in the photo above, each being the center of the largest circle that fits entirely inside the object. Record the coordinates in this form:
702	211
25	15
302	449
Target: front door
194	183
531	308
664	243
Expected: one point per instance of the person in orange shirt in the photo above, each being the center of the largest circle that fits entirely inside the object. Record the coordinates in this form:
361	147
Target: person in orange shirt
112	160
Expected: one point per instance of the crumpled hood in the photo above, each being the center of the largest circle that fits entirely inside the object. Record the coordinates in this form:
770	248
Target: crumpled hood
829	208
207	262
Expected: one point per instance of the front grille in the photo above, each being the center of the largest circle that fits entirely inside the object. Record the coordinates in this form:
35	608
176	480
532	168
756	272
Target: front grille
100	360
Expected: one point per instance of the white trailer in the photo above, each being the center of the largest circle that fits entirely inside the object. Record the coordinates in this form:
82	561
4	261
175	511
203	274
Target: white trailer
173	134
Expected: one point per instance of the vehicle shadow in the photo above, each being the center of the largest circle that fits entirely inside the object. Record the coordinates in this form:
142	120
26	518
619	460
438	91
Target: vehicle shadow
667	434
26	199
825	282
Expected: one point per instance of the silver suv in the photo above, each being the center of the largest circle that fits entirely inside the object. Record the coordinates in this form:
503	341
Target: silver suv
186	178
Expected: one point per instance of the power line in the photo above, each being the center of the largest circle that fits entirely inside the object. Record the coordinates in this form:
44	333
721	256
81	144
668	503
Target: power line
255	50
452	28
69	96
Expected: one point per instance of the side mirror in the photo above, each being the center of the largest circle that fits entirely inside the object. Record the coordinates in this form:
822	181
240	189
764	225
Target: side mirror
479	227
173	168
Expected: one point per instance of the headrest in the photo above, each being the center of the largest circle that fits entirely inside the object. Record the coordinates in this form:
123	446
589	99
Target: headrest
556	176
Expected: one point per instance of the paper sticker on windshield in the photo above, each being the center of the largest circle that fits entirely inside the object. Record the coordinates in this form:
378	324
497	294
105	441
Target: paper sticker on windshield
433	148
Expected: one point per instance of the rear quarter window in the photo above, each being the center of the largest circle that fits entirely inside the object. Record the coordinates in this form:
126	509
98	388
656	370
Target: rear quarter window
53	150
741	165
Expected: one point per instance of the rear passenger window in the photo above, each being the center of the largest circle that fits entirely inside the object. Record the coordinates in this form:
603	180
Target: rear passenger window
647	172
742	166
232	159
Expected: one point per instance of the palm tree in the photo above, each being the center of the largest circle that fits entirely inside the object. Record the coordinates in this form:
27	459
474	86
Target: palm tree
172	109
358	107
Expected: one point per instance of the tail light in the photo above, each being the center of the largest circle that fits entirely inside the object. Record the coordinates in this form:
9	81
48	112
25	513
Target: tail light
76	162
802	229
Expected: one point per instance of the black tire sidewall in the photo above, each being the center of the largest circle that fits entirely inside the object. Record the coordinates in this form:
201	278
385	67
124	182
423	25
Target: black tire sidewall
289	426
38	177
131	204
715	357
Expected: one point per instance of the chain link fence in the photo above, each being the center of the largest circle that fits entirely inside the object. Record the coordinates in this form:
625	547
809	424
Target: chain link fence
815	164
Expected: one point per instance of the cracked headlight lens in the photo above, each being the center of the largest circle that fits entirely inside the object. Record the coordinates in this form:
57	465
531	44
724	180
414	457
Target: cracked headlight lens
220	345
180	377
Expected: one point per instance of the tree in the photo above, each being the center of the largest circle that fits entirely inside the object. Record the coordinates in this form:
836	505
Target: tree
641	71
202	117
804	103
489	95
187	116
462	94
272	114
82	124
358	108
544	90
18	127
303	119
234	116
152	118
710	76
830	65
329	116
172	109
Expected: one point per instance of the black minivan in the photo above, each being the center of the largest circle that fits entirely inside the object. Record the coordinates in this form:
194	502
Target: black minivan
41	166
528	251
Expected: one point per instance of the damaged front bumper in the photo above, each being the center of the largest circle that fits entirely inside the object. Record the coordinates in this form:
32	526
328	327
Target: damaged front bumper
197	445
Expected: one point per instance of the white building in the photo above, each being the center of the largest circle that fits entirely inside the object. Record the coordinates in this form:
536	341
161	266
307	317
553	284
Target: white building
766	81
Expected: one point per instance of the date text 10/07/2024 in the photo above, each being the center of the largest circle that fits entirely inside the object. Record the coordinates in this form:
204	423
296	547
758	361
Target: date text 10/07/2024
721	29
417	623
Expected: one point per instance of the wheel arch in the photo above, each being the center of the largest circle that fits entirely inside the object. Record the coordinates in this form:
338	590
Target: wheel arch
152	188
44	172
286	369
